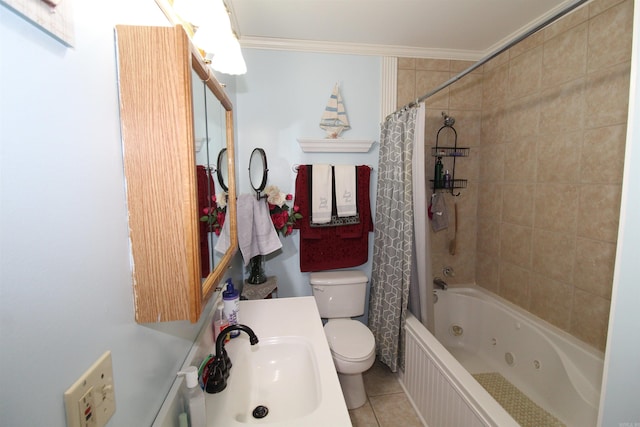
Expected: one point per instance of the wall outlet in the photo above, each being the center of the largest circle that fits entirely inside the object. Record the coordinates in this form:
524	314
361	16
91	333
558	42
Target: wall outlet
90	401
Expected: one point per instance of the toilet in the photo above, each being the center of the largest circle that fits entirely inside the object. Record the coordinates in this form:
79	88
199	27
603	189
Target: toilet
339	296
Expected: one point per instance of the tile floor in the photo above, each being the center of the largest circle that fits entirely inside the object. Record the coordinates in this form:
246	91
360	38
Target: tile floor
387	405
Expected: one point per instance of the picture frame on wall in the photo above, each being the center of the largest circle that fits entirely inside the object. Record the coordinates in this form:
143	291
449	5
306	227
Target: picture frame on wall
52	16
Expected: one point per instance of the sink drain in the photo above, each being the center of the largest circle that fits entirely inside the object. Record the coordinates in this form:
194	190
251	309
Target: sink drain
260	412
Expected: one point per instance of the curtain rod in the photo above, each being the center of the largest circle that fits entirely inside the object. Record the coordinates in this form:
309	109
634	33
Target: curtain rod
489	57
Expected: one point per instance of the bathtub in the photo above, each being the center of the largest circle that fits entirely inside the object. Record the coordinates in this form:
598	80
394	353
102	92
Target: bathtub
476	332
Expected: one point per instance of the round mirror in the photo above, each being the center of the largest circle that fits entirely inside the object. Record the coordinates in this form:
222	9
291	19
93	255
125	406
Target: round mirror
258	170
222	170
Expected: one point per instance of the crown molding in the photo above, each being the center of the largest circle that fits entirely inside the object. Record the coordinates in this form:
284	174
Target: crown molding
356	48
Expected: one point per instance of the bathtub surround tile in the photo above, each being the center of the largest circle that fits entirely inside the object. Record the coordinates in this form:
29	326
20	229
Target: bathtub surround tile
527	44
490	204
458	66
565	56
487	271
558	159
609	41
519	160
525	73
406	63
492	163
554	254
499	60
603	155
494	125
571	20
551	300
429	80
590	318
607	93
594	266
495	87
599	212
562	108
523	117
598	6
515	244
466	93
489	236
406	91
430	64
556	207
517	203
514	284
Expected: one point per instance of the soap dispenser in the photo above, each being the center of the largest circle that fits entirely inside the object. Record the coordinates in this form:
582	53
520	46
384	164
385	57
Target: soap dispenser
194	398
231	300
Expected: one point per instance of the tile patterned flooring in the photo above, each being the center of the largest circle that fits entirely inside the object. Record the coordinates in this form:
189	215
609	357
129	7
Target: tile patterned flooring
387	405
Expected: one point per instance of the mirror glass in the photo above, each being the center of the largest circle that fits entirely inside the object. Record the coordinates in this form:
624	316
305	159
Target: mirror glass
222	170
209	125
213	134
258	170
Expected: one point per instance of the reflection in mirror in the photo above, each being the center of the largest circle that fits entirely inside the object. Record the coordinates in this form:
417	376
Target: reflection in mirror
210	129
258	171
203	170
216	136
222	171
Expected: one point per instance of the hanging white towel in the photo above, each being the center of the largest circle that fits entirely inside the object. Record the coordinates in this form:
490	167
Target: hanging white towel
345	177
321	203
256	234
224	239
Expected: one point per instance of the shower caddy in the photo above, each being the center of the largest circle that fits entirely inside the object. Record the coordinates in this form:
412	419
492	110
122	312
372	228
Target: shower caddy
437	183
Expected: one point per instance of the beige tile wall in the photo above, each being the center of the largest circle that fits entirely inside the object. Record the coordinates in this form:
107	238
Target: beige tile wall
546	125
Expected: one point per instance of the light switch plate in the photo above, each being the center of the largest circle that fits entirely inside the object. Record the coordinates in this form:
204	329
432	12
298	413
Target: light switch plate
90	401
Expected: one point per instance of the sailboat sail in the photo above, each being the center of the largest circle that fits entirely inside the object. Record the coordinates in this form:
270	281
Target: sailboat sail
334	119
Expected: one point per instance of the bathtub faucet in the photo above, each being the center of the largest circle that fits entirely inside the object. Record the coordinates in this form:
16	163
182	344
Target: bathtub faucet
440	283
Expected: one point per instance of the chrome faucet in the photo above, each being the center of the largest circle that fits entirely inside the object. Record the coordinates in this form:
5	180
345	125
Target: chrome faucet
440	283
218	372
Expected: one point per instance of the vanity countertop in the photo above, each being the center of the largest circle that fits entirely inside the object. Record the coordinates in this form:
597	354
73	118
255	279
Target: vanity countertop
285	322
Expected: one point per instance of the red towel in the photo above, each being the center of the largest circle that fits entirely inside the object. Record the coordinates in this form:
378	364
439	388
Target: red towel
327	248
204	201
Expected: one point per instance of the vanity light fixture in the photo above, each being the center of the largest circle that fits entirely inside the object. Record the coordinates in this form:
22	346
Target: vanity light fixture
213	33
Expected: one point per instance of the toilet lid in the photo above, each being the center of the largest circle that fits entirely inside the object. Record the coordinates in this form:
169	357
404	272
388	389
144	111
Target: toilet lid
349	339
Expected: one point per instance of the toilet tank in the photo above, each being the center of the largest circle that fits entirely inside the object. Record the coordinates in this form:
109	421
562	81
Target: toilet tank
339	293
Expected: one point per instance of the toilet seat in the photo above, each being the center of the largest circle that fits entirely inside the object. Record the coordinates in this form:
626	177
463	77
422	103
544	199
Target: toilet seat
349	340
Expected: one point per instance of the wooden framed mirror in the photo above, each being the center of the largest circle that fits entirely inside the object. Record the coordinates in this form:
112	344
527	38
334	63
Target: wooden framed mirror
161	75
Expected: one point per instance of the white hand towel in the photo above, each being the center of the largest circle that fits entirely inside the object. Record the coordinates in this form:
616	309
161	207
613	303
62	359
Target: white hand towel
321	203
345	190
245	225
224	239
265	237
256	233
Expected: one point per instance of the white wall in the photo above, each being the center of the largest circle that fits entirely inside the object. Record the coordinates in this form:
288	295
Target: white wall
281	98
66	289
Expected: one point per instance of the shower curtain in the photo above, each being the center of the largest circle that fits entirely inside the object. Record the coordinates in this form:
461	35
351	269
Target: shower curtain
396	256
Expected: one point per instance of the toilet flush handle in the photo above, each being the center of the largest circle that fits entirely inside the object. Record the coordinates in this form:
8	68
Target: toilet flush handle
315	288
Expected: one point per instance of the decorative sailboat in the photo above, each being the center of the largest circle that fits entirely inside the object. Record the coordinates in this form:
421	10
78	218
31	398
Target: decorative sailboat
334	119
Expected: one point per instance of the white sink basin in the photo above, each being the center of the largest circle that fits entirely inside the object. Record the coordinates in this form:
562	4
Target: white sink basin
290	371
280	374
